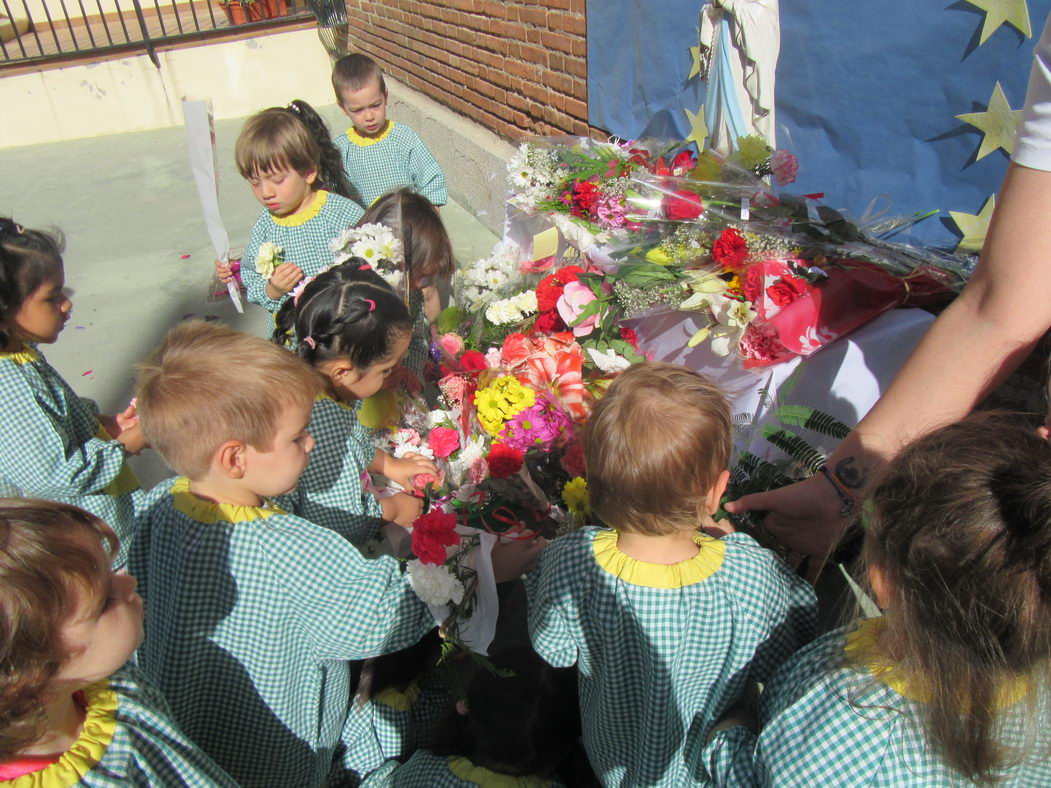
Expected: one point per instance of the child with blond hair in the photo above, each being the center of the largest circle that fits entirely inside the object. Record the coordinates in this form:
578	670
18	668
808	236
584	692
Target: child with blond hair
667	625
253	614
378	154
71	710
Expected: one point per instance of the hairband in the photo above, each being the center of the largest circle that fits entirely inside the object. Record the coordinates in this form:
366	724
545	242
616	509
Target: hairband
365	267
310	343
371	303
293	107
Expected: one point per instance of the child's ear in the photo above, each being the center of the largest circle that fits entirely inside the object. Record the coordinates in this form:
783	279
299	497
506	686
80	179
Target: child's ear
311	176
880	586
716	493
336	369
230	459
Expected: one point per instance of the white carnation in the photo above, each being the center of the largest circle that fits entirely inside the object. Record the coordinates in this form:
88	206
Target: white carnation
434	585
526	302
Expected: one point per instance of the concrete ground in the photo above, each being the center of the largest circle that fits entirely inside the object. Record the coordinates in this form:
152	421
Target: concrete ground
138	258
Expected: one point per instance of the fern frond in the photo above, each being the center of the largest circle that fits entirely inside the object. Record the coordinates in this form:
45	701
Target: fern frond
811	419
795	447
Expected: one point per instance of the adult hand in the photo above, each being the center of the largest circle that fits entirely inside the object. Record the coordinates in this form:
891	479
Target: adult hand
805	517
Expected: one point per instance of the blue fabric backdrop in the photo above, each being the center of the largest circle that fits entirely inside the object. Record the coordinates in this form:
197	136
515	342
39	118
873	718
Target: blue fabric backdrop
867	94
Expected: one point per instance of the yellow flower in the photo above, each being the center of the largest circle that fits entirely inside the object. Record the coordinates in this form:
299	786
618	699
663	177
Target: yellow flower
501	400
659	256
575	496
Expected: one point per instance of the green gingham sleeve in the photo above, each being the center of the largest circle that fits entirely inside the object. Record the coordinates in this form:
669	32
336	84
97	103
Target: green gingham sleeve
330	491
728	758
548	598
47	435
349	606
147	749
428	179
254	283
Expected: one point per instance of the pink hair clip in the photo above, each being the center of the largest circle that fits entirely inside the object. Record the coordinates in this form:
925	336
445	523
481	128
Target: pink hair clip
310	343
371	303
365	267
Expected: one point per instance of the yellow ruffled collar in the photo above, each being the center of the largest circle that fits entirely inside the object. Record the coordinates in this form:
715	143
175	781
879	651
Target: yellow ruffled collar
24	356
400	699
208	512
304	216
465	770
363	141
642	573
863	652
100	722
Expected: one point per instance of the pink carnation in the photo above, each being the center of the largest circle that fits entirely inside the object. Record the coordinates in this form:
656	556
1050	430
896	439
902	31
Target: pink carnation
443	441
451	343
785	167
760	342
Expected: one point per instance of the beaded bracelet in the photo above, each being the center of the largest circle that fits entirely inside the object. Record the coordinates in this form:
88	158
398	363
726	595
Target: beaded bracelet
849	502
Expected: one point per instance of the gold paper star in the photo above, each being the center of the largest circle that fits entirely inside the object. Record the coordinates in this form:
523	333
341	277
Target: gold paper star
998	123
698	128
974	227
997	12
695	69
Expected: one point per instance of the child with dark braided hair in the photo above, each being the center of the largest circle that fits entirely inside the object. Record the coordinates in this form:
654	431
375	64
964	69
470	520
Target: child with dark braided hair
295	172
354	330
54	444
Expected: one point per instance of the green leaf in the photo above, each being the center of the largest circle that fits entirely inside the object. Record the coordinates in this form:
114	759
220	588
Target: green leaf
450	319
644	274
812	419
795	447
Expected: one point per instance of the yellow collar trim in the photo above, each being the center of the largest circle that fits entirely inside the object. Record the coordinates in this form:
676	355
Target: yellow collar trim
466	770
642	573
400	700
305	215
100	722
24	356
363	141
345	405
207	512
863	652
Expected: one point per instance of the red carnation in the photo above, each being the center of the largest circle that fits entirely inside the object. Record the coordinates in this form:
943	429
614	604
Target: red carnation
550	288
682	204
504	461
431	534
585	196
730	249
473	360
629	336
549	323
786	290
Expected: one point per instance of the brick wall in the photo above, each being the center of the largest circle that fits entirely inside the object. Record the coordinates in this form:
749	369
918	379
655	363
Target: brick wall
516	66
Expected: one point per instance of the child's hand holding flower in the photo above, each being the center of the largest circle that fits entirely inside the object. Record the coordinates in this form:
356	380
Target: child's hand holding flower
283	280
402	470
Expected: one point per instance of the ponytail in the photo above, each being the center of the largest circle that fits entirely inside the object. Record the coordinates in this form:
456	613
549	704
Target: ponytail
348	311
330	163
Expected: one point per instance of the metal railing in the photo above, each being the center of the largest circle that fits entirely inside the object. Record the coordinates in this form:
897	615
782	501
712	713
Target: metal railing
33	31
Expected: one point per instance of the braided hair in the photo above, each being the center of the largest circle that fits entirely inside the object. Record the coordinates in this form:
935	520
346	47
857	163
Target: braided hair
28	258
348	311
295	137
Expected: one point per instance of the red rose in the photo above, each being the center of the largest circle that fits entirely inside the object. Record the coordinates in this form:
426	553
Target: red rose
629	336
473	360
681	205
504	461
786	290
431	534
730	248
548	323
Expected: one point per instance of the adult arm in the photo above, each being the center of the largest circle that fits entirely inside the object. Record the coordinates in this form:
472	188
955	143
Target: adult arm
980	339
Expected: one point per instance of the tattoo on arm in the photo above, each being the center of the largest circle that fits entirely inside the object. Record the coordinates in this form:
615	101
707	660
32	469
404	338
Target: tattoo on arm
850	474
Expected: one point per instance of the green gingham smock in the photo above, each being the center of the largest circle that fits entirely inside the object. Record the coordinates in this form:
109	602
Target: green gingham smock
662	650
395	159
330	492
829	721
127	738
305	237
427	770
252	615
394	724
53	447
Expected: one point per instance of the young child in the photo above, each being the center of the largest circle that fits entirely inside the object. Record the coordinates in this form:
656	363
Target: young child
252	614
287	157
668	626
428	261
511	730
71	710
380	155
54	444
351	327
950	686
